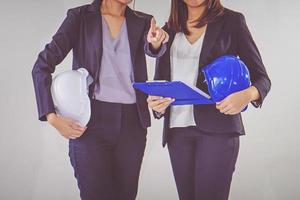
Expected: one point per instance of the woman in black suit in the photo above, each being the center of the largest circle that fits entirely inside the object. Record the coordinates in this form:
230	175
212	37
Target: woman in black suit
107	39
203	140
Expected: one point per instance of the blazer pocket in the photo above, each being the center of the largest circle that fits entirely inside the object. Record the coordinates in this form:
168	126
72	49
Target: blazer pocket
209	118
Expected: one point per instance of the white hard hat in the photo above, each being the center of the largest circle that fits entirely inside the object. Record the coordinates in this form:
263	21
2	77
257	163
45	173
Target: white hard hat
70	95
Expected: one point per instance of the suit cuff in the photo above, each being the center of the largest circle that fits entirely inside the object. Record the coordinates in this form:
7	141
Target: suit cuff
155	53
258	103
157	115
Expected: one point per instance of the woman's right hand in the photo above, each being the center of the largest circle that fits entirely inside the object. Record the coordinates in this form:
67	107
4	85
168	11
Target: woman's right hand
156	35
66	127
159	104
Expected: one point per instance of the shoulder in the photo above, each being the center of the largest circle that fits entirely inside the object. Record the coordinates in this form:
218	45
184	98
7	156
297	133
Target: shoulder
233	20
80	10
137	16
233	16
143	15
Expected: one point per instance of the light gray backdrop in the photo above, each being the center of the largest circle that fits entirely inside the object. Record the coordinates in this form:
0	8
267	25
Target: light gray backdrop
34	164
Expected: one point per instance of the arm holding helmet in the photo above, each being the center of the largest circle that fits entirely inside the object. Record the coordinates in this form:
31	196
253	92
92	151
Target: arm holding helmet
66	127
236	102
53	54
261	84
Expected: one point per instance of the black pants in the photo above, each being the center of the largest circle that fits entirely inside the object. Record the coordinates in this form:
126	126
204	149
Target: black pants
202	164
107	158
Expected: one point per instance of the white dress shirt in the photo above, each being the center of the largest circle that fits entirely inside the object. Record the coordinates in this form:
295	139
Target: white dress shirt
184	58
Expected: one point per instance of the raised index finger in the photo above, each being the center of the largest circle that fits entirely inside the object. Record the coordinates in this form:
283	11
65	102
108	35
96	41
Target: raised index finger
153	27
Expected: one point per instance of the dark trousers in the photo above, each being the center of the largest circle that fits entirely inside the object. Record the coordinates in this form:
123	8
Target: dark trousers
202	164
107	157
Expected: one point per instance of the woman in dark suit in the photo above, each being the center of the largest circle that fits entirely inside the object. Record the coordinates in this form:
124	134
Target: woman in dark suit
203	140
107	38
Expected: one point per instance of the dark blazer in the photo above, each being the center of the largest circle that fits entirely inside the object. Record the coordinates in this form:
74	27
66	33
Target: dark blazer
81	31
226	35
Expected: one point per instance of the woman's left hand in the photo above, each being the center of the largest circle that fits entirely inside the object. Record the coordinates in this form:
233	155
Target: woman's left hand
236	102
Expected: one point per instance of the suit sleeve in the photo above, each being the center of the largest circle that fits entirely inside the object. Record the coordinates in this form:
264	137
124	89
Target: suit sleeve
53	54
249	53
155	54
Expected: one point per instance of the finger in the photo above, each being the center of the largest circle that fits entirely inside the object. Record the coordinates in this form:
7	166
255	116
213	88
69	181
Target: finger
234	111
163	106
160	100
71	137
154	97
222	104
153	26
167	104
231	113
219	106
159	109
80	127
226	109
165	100
162	38
76	126
76	132
159	34
166	37
155	103
75	136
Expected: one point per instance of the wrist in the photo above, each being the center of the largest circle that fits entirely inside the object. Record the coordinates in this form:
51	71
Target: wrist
155	46
51	117
252	93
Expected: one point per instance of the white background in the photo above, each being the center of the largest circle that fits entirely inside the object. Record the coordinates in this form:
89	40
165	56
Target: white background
34	164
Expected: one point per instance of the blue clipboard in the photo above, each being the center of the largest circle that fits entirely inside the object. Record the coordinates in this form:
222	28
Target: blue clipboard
182	93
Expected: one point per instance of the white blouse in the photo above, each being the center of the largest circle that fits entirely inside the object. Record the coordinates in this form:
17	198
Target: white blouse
184	58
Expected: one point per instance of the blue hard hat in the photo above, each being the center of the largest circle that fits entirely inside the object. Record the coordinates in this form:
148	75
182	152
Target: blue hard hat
226	75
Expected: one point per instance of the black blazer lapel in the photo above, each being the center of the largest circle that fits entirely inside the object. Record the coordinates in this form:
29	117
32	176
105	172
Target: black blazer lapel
94	37
167	66
211	35
135	27
212	32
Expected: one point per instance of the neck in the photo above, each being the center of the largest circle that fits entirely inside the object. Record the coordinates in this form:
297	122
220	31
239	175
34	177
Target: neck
195	12
113	7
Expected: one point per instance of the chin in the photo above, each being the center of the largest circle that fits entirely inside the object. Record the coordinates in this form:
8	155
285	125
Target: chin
124	1
194	3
